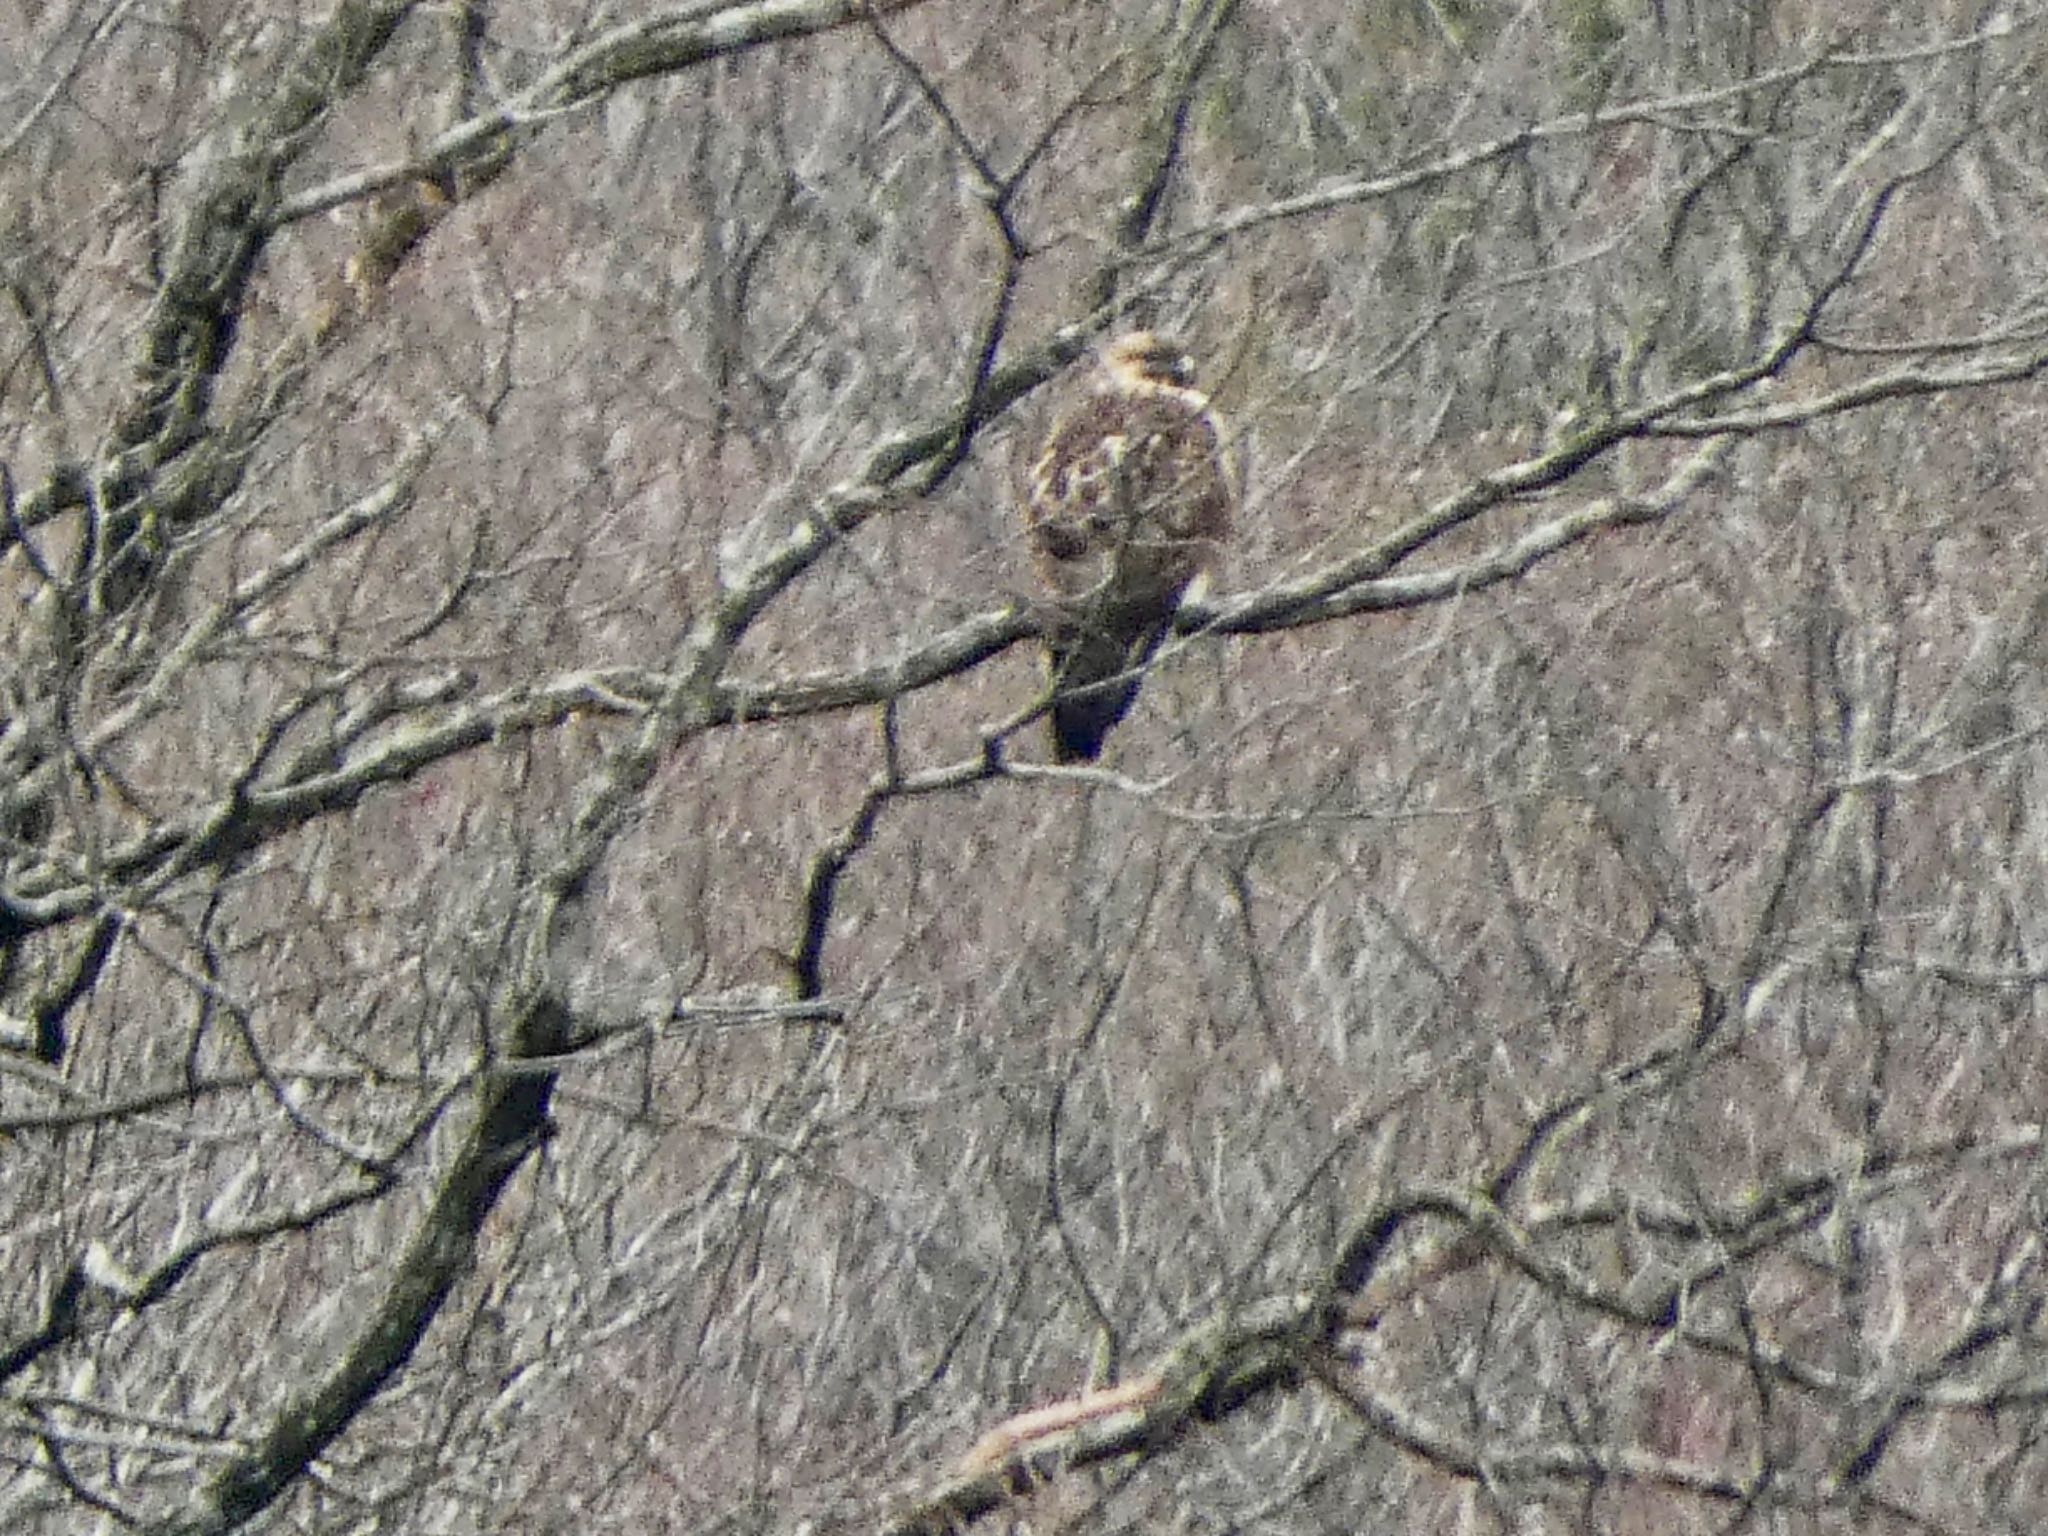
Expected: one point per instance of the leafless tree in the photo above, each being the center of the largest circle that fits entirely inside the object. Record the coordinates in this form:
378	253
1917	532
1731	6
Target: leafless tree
548	981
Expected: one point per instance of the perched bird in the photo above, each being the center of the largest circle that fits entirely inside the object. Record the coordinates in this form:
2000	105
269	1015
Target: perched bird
1130	499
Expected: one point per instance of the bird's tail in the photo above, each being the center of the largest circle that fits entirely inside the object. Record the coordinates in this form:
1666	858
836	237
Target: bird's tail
1096	671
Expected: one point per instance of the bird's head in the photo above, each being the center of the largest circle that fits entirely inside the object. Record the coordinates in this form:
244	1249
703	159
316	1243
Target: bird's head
1145	357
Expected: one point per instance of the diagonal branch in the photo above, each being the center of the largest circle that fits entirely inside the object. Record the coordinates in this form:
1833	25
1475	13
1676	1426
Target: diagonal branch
1212	1371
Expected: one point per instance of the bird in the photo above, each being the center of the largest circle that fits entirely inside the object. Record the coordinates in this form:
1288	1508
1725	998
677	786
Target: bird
1130	499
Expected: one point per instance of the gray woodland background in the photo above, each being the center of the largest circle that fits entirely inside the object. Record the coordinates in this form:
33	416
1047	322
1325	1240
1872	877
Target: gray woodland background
546	984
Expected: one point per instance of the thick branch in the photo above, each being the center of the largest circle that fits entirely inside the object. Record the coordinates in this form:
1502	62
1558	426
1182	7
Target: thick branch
193	327
1213	1371
510	1121
657	45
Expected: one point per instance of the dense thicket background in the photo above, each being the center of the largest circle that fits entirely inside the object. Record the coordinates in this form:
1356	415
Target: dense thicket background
545	983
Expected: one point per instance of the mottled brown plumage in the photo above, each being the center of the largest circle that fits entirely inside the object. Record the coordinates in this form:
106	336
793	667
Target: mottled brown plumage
1129	501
